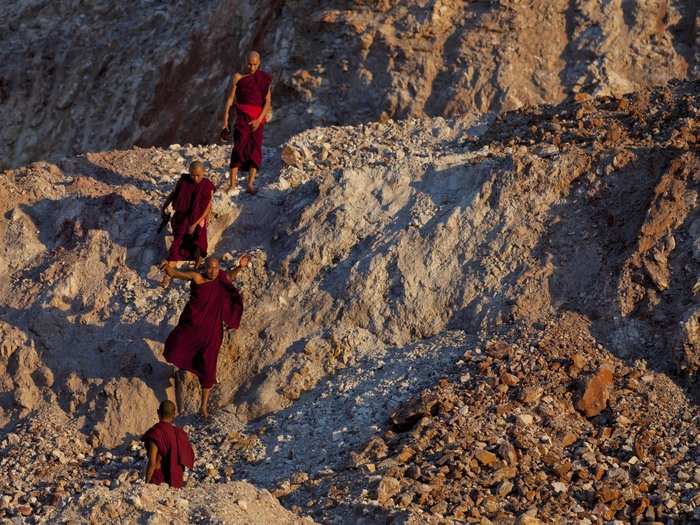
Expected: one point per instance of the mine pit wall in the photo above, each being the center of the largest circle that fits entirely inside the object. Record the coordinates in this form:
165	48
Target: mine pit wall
76	79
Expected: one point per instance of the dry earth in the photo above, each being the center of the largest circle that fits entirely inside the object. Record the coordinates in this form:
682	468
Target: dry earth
447	320
84	76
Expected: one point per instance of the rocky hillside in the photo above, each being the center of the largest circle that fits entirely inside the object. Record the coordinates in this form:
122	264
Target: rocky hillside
78	76
460	319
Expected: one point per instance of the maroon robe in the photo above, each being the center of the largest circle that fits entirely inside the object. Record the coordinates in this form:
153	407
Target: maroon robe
175	453
189	203
194	343
251	91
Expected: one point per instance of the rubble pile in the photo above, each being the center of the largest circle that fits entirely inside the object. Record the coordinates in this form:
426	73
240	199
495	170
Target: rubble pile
511	435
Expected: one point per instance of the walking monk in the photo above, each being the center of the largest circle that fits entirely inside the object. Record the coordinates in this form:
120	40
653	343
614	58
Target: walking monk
252	96
191	200
169	449
214	302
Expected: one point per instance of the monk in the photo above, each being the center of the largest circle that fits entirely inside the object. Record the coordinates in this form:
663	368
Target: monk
195	342
191	201
169	449
253	102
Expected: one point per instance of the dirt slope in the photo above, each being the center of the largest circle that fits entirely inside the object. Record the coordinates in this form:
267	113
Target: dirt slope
406	243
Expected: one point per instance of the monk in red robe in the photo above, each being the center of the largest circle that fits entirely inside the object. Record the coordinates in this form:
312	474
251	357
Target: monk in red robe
191	201
195	342
253	100
169	450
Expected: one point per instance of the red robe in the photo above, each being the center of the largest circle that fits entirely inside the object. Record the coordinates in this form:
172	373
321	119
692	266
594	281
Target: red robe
251	91
190	201
175	452
195	342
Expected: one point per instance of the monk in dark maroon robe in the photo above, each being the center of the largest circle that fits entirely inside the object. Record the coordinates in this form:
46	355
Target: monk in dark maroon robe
252	96
195	342
168	448
191	201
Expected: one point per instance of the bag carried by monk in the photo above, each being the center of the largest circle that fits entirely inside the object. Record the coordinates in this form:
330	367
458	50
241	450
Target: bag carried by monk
164	222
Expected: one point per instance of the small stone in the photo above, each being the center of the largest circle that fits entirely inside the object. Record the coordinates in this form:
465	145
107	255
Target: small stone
608	493
24	510
559	487
508	453
595	392
562	469
490	505
388	488
505	488
299	477
623	421
413	471
527	519
485	457
439	508
531	394
242	504
578	361
406	454
524	419
59	456
291	157
509	379
641	445
568	439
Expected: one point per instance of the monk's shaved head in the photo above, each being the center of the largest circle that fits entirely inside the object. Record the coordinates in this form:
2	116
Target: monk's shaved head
167	410
197	170
212	268
195	166
253	62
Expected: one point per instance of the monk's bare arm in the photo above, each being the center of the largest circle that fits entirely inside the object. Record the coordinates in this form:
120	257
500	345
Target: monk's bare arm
255	124
185	276
268	104
242	263
168	200
152	461
201	218
231	97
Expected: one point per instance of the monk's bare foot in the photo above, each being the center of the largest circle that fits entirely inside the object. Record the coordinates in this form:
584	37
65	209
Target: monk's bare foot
251	190
204	405
165	281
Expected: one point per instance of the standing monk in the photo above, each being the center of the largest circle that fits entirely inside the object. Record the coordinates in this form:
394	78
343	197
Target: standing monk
191	200
253	99
194	343
169	450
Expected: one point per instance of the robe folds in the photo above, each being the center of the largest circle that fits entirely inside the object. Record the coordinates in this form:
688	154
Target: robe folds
251	91
195	342
175	453
189	203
